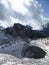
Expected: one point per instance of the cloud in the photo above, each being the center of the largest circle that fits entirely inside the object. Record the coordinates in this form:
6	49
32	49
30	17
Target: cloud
26	12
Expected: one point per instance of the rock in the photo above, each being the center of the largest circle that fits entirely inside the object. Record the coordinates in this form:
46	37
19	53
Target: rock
9	30
19	29
23	31
33	52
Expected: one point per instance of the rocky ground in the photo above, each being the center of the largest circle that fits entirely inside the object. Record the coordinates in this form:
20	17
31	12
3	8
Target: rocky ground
10	50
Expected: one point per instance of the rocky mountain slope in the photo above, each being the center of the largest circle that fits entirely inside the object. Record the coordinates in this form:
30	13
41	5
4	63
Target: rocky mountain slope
11	49
23	31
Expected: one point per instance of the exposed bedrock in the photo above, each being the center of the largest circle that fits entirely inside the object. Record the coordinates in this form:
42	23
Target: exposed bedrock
23	31
33	52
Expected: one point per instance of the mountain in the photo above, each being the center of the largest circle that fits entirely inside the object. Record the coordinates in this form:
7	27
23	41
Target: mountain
17	50
23	31
20	48
45	31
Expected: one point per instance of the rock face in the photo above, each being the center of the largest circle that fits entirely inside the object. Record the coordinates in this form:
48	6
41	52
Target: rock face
33	52
23	31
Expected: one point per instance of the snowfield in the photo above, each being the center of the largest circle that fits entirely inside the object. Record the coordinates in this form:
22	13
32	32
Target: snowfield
10	50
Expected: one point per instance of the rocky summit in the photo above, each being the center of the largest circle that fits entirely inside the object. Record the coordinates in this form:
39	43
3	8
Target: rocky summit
23	31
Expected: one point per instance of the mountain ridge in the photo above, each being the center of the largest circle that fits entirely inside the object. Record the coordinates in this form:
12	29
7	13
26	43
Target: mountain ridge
23	31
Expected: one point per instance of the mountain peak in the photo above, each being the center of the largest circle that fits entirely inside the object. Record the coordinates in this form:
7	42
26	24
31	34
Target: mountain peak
23	31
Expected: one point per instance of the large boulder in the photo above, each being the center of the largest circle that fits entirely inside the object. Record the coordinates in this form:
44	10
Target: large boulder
33	52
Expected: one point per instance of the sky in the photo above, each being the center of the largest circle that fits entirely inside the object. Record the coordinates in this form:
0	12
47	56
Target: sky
26	12
45	6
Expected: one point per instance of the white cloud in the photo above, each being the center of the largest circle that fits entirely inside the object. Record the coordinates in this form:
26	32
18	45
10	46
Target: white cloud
27	12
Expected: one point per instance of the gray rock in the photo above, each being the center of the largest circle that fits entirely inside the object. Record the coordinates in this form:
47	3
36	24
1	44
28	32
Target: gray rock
33	52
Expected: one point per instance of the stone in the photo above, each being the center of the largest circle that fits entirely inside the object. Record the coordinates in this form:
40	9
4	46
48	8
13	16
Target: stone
33	52
23	31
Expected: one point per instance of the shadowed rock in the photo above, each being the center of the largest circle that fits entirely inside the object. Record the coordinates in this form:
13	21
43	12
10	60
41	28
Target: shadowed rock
33	52
23	31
